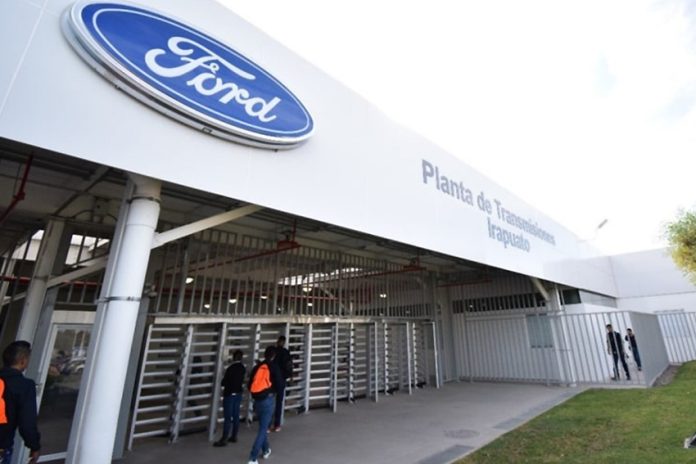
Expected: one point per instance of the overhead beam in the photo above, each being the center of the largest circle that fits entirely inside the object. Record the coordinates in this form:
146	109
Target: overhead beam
539	286
160	239
171	235
93	265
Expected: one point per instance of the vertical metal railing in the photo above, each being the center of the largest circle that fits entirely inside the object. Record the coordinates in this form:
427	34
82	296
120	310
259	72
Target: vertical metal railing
561	348
219	370
678	329
216	272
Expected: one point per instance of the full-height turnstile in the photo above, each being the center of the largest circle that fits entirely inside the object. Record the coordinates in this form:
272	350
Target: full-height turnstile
335	362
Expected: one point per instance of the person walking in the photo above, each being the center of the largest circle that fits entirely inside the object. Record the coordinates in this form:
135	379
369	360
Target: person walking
262	383
17	403
633	346
283	360
616	349
232	384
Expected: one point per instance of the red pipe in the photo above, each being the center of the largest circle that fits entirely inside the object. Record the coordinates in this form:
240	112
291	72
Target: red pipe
481	280
26	280
21	193
281	246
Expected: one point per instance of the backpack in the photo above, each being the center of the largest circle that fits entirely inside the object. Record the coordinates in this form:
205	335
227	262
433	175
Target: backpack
3	412
261	382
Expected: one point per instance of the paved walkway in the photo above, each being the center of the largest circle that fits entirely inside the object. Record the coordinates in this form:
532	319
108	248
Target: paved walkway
429	427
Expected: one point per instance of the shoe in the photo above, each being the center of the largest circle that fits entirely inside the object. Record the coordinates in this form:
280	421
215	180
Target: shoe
267	454
253	462
233	440
220	442
277	429
640	369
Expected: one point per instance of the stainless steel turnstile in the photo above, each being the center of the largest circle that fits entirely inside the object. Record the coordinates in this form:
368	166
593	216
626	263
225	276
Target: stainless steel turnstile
335	362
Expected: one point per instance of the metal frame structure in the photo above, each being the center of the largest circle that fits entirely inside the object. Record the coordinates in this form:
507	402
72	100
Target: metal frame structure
360	324
184	357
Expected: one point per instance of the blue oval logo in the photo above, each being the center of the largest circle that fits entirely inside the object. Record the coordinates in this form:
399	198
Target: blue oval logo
187	74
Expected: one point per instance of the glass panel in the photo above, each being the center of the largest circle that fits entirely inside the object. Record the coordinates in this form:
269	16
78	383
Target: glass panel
62	385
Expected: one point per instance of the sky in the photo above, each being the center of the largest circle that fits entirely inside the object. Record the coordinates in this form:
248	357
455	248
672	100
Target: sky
584	109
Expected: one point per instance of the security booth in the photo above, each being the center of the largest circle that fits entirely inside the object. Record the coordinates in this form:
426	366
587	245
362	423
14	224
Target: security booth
182	186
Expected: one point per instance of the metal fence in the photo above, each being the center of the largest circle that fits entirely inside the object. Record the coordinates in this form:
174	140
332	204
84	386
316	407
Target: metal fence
224	273
560	348
679	331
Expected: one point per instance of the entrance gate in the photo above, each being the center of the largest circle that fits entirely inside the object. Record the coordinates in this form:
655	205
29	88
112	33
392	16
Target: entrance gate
335	362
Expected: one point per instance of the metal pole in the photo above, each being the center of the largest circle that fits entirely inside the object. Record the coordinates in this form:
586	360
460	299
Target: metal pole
184	372
386	358
217	380
138	394
436	357
375	350
99	403
44	267
308	366
351	362
334	367
409	357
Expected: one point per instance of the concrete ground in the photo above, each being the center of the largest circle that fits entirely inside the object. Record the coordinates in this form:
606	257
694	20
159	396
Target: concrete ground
430	427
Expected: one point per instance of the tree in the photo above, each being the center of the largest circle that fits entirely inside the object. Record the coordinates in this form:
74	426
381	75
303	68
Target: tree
681	235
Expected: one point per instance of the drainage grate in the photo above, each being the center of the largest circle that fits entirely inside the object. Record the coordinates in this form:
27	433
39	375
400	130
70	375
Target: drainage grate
461	434
448	455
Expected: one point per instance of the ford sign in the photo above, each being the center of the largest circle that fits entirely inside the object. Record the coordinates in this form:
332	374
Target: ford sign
186	74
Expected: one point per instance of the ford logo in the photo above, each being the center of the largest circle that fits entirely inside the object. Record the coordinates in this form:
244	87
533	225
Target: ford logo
186	74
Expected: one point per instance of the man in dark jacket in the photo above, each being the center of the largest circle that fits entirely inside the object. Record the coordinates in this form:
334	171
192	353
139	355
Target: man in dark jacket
262	384
616	349
232	398
283	360
18	405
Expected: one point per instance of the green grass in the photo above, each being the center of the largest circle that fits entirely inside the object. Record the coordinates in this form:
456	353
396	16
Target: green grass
606	426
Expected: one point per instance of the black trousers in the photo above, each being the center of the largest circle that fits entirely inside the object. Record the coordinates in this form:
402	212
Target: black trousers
621	356
280	402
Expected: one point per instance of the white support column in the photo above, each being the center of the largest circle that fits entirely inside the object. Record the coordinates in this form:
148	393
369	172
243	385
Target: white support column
45	263
94	427
131	377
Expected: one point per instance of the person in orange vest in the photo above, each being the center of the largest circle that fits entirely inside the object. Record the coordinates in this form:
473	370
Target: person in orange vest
263	382
17	403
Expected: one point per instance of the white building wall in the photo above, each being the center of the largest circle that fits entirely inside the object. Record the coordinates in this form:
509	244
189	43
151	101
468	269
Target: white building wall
649	281
492	347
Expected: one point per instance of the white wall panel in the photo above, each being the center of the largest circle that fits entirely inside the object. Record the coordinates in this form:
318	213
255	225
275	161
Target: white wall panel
649	273
359	171
15	34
